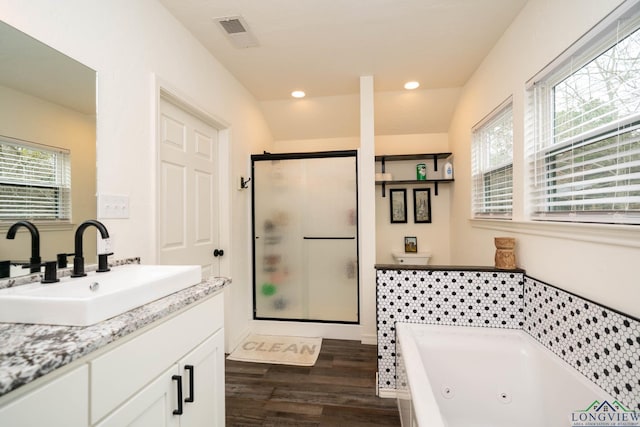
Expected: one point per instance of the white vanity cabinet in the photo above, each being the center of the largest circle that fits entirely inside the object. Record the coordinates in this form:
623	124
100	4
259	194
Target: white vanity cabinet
63	401
136	380
151	406
150	380
203	371
201	403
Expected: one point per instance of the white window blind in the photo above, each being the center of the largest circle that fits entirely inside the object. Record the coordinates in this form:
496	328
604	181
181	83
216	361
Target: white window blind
35	181
585	157
492	165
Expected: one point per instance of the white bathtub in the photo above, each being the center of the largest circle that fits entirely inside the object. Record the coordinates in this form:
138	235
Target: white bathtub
472	377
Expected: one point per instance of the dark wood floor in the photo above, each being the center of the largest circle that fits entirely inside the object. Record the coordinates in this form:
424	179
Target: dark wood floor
338	391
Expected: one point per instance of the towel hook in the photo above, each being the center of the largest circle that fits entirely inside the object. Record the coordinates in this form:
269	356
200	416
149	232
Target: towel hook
244	183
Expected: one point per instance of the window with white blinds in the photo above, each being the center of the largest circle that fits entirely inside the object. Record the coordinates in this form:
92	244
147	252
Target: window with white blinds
585	157
35	182
492	165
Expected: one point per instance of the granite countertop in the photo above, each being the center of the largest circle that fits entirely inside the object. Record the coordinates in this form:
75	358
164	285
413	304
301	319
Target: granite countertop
29	351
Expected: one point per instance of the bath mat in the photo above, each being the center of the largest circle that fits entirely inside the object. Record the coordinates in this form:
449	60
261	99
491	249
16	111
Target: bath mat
283	350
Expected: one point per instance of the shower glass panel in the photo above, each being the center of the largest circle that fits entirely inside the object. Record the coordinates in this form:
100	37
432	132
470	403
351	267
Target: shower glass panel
305	237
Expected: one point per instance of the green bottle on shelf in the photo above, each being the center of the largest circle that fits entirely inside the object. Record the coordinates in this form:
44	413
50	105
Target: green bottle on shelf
421	172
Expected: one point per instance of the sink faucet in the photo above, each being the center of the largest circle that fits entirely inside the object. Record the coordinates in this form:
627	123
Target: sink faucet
78	260
35	260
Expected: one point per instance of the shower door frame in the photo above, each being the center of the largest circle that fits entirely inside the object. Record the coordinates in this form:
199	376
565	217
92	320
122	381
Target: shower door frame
298	156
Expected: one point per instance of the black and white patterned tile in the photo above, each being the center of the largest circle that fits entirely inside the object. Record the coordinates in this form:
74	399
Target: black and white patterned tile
457	298
602	344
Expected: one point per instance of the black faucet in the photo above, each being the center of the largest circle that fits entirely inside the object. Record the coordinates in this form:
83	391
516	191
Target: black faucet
35	261
5	269
78	260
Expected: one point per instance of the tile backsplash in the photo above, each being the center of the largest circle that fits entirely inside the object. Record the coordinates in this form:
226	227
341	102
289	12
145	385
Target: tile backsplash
600	343
466	298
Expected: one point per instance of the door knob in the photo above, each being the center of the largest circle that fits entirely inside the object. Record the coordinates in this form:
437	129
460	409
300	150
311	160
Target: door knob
218	252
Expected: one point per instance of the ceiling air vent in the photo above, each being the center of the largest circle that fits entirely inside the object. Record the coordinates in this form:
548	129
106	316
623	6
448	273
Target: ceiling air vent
237	31
233	26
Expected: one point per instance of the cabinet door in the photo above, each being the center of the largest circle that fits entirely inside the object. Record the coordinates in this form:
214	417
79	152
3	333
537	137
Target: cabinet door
62	402
203	371
120	373
153	406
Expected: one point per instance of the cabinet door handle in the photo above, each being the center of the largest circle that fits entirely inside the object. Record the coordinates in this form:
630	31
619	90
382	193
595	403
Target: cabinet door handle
190	369
218	252
178	379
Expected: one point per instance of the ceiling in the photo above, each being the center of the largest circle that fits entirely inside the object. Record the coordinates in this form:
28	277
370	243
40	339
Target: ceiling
324	46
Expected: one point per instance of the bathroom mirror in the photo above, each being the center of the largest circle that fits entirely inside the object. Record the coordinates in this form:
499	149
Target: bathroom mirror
49	99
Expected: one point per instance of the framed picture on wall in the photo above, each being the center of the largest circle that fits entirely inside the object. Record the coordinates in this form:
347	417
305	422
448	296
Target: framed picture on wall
411	244
421	205
398	205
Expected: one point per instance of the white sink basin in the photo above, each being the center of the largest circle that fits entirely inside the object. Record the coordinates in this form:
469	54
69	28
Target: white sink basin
73	302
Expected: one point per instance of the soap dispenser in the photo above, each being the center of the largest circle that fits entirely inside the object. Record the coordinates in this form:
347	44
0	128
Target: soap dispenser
448	170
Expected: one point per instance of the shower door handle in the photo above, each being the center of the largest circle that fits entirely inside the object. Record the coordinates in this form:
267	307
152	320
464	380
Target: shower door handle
327	238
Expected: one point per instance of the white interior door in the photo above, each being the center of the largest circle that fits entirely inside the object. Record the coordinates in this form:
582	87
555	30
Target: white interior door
188	187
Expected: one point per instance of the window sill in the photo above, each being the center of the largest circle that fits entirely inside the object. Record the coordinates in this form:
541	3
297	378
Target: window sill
42	226
609	234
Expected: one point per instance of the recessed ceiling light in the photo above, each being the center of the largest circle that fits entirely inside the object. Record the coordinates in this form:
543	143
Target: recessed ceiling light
298	94
411	85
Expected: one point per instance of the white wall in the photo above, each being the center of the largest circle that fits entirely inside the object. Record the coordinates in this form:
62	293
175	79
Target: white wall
313	117
432	237
396	112
318	144
127	42
596	262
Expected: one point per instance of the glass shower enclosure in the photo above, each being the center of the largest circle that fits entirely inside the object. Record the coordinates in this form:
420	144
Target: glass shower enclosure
305	237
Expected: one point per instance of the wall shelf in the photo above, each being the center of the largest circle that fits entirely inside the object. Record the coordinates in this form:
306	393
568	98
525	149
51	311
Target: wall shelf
409	182
383	159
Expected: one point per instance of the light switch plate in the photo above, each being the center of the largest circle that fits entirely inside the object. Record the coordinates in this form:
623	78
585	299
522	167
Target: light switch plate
113	206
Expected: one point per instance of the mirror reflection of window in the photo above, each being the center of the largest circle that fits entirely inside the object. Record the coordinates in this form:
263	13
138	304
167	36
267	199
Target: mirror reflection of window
35	182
